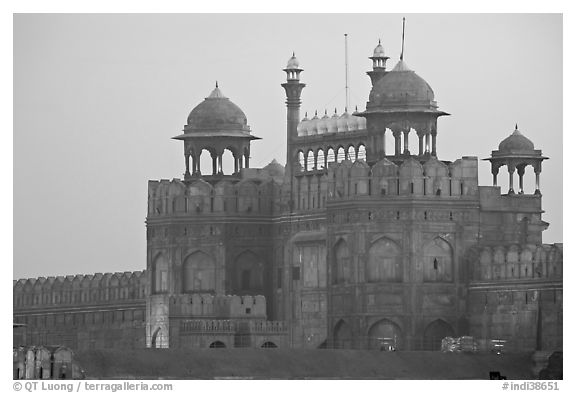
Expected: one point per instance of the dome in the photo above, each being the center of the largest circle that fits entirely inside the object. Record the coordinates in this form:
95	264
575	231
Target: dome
313	125
516	143
402	86
379	51
274	168
293	63
216	112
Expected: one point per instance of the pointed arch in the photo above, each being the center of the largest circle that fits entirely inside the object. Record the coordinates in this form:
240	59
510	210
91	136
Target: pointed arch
384	330
434	333
437	261
384	261
198	273
342	335
248	274
342	266
160	274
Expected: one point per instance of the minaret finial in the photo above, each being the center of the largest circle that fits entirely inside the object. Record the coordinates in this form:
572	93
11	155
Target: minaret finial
335	111
379	41
216	84
316	112
516	127
293	54
403	26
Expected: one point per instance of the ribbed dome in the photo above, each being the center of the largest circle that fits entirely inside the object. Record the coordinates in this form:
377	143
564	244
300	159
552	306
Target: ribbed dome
379	51
293	63
516	143
401	87
330	124
216	112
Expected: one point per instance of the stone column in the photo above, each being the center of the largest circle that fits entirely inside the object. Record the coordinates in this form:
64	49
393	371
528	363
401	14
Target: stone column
434	144
187	161
420	144
397	143
511	180
427	145
235	164
214	164
406	147
537	172
495	171
520	179
220	163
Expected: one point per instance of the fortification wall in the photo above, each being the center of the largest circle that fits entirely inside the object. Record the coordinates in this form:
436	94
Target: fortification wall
82	311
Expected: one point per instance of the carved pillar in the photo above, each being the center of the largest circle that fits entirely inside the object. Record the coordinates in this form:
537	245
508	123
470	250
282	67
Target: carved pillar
235	164
537	170
420	144
214	163
397	142
434	144
495	170
220	163
511	180
247	159
187	161
427	147
406	147
520	169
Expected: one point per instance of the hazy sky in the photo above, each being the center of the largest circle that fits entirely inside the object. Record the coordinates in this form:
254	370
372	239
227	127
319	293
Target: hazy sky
98	97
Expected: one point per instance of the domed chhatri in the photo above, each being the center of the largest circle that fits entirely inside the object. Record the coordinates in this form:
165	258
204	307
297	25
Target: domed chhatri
216	113
402	87
216	125
516	143
516	152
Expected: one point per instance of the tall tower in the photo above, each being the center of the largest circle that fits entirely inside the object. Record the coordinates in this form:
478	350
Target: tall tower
378	64
293	88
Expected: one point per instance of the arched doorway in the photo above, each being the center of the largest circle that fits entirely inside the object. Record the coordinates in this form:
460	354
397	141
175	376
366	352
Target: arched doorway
434	333
217	344
249	274
199	273
269	344
342	335
387	332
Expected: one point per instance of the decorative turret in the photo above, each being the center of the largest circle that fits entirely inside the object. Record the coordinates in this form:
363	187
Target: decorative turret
516	152
378	64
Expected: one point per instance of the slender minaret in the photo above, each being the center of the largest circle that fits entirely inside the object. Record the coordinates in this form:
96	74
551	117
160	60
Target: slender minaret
293	89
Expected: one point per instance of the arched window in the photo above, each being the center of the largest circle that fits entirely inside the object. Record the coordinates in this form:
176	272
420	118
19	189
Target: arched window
385	332
384	262
437	260
199	273
160	268
342	265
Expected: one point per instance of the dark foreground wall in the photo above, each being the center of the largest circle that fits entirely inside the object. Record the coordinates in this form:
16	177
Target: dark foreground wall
299	364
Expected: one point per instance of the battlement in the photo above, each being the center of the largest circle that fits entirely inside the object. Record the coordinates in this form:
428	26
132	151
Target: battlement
250	195
411	177
79	289
514	262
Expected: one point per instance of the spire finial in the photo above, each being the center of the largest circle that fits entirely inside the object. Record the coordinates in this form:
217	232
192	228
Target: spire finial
293	54
403	26
356	108
305	114
335	111
516	129
378	41
316	112
325	112
216	84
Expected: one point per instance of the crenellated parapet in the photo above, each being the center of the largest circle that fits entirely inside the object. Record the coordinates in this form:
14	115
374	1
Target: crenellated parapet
79	289
516	262
410	177
253	195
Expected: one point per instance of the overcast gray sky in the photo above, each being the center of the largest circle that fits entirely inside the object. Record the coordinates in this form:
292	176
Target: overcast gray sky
98	97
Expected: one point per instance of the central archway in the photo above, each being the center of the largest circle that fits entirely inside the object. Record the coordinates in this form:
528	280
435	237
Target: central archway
384	331
342	335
